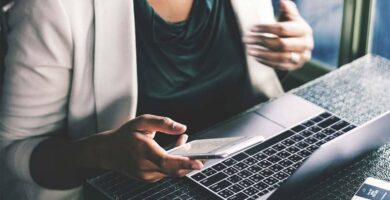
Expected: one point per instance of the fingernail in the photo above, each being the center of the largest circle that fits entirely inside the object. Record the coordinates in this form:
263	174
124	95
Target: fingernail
179	127
197	166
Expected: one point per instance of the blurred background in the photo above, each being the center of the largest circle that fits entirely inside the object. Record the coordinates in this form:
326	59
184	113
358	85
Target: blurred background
328	18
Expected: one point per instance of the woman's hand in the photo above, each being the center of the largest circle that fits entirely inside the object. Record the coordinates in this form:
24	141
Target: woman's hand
285	45
132	150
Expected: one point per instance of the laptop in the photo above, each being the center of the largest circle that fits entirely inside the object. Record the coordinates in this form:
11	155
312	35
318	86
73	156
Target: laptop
303	142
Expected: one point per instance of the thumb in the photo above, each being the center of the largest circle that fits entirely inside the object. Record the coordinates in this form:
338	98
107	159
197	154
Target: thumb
288	10
182	140
152	124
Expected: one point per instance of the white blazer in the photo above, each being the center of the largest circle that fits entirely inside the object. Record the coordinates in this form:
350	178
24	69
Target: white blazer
71	66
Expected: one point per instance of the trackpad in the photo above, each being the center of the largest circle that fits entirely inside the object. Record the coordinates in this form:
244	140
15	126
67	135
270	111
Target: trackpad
251	124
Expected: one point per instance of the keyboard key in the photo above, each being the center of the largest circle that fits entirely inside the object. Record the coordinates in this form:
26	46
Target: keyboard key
317	119
283	154
340	125
312	148
250	161
298	164
250	191
325	115
289	170
198	176
288	142
293	149
225	193
229	162
219	167
246	183
308	123
240	156
254	169
256	178
274	159
285	163
240	166
209	172
328	131
276	168
306	133
254	150
297	138
321	142
338	133
259	156
311	140
315	129
328	122
349	128
234	179
260	186
244	174
302	145
320	136
298	128
266	172
281	176
295	158
329	138
236	188
238	196
269	152
278	147
220	186
270	180
264	164
230	171
213	179
304	153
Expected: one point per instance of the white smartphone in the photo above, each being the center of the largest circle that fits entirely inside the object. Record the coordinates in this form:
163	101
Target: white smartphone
373	189
215	148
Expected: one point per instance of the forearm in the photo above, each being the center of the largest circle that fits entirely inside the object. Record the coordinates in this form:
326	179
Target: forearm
58	163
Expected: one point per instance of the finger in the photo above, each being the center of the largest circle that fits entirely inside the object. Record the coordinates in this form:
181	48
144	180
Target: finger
288	10
182	140
182	173
280	66
284	29
152	123
162	159
172	165
296	44
274	56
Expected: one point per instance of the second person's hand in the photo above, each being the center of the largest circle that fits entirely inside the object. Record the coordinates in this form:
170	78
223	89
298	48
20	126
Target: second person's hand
284	45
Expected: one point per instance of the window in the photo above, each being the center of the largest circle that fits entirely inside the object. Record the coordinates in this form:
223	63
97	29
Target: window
325	17
380	43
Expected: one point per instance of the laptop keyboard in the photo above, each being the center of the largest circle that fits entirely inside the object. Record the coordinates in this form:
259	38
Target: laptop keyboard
264	167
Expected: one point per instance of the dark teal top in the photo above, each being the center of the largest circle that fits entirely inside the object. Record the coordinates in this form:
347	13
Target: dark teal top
188	70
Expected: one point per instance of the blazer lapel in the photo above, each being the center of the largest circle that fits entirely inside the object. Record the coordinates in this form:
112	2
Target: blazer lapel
115	71
263	79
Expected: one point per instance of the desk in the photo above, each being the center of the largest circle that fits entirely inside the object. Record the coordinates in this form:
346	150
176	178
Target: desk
359	92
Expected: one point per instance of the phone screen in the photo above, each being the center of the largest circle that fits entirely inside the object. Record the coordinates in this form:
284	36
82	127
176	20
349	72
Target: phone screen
206	146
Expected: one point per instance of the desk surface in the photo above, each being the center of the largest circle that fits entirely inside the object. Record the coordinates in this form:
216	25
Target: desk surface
359	92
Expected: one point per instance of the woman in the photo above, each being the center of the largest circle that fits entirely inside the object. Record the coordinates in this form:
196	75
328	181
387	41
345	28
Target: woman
76	69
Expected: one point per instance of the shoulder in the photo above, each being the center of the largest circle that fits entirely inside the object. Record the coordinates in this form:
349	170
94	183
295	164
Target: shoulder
51	9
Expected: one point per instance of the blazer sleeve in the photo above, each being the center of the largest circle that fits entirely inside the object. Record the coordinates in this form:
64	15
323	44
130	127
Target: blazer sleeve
36	83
